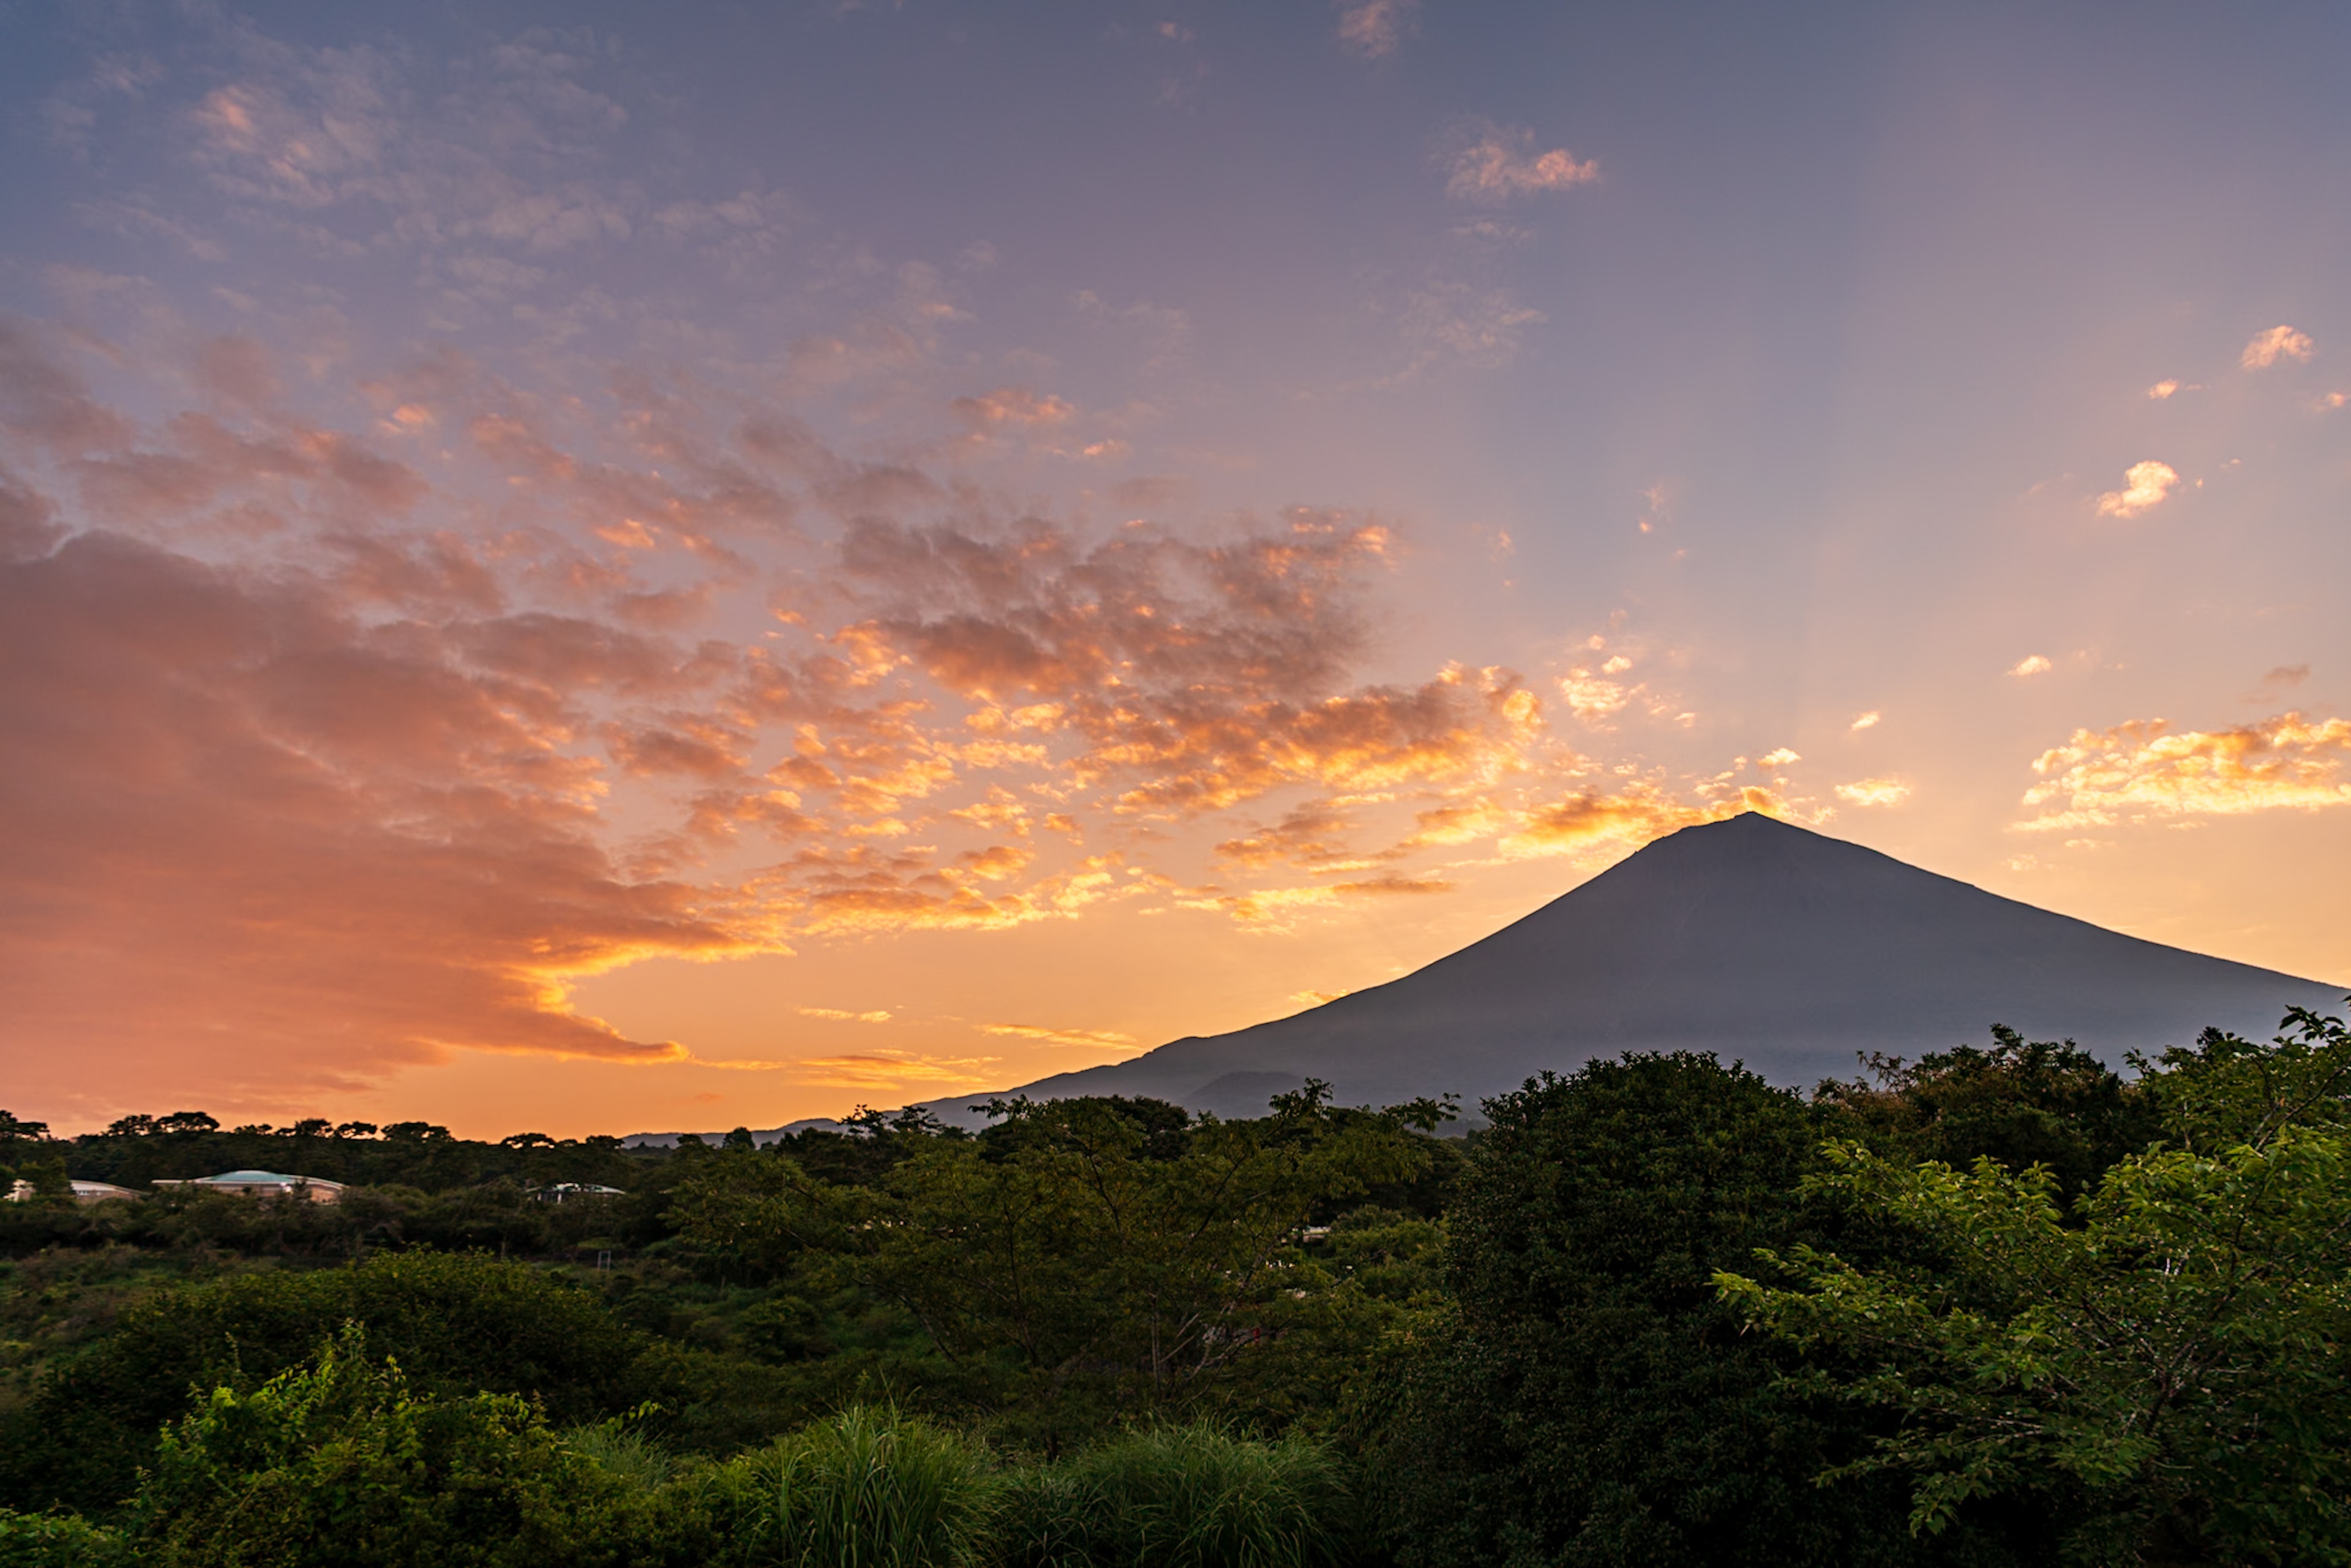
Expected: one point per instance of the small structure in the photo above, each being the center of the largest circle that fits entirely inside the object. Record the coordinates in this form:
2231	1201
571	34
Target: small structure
555	1192
22	1191
99	1191
265	1184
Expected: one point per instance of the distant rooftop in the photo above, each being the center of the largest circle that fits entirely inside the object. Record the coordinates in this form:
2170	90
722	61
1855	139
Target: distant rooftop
317	1188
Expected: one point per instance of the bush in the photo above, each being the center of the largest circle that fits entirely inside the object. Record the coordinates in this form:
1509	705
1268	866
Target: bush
457	1324
869	1489
59	1541
343	1465
1177	1497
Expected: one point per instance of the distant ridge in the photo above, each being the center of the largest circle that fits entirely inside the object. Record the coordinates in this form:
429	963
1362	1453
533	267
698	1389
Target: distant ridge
762	1137
1748	938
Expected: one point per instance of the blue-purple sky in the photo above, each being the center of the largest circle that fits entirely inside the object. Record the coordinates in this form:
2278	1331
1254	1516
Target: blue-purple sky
584	567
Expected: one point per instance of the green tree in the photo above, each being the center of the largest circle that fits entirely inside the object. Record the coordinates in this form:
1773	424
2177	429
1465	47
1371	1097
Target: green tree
2176	1363
1588	1400
342	1464
1101	1252
2019	1102
457	1324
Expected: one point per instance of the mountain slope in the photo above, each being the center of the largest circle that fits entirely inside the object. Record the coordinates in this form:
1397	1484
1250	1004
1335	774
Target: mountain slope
1748	938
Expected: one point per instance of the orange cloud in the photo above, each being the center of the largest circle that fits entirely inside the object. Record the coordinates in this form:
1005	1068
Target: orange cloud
2279	342
1873	792
2145	485
1308	835
1088	1039
243	821
2139	770
890	1071
1277	908
1628	819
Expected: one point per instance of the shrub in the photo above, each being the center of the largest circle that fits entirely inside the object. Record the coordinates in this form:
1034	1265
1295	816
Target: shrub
1178	1496
59	1541
456	1324
343	1465
869	1489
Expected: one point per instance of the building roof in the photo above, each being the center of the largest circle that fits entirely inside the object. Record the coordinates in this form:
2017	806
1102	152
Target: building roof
251	1178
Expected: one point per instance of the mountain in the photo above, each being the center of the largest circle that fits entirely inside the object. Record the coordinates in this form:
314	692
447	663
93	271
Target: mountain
761	1136
1748	938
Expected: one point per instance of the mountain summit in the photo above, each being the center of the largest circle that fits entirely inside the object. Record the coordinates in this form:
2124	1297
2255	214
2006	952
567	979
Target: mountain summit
1748	938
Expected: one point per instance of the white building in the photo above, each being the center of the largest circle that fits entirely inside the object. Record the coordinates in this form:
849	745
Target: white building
558	1191
265	1184
83	1191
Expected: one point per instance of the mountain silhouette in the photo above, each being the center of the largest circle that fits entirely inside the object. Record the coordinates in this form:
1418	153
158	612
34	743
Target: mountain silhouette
1748	938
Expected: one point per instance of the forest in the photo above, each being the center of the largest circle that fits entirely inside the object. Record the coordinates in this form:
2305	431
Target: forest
2002	1305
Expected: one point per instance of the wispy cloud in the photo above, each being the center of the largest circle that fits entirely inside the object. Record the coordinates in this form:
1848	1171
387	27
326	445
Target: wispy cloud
1276	908
1086	1038
842	1015
893	1071
1374	29
1497	162
1873	792
2142	770
2145	485
1622	819
2031	665
2279	342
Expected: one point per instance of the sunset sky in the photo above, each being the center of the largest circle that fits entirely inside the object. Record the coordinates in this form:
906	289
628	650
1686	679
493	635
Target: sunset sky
587	568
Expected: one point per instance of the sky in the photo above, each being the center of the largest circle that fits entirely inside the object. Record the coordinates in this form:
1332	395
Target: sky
596	568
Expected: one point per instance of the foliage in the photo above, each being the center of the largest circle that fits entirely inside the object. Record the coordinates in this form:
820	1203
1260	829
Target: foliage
60	1541
1587	1399
2175	1362
457	1324
1082	1255
2020	1102
1371	1276
342	1464
869	1489
1178	1496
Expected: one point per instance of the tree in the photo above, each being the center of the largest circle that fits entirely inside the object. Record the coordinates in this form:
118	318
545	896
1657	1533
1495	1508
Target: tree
2021	1103
2176	1362
457	1324
186	1122
342	1464
13	1131
1588	1400
1082	1255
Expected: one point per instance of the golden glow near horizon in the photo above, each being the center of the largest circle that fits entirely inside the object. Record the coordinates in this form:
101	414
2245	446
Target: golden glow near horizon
536	604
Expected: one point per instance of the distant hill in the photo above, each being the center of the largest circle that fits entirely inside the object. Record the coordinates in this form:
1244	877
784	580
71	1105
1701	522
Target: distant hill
762	1136
1747	937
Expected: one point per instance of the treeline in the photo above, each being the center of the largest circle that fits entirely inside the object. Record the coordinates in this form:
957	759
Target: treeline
137	1150
1998	1306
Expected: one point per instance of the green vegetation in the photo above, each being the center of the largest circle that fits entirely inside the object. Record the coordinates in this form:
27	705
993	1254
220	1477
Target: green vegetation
2000	1306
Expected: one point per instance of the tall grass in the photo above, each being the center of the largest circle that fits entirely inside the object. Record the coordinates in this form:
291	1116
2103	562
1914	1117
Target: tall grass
873	1488
1177	1497
869	1488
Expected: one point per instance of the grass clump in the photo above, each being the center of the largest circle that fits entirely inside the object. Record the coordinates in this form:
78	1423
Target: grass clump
869	1489
1177	1497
